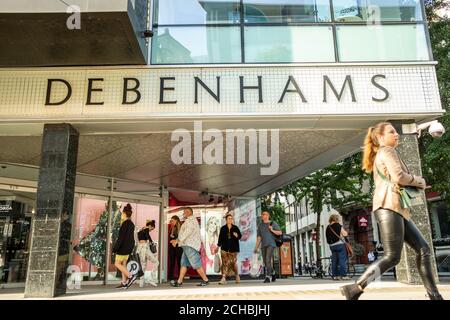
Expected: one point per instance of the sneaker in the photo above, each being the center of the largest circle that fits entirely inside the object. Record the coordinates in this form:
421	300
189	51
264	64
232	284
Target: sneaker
267	280
346	278
274	277
153	284
203	283
130	281
223	281
175	283
121	285
335	278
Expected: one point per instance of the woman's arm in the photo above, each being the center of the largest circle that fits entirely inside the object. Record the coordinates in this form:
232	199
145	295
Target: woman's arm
394	167
343	232
120	239
238	232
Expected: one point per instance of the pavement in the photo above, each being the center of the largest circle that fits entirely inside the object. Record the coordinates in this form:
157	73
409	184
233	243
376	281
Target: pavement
282	289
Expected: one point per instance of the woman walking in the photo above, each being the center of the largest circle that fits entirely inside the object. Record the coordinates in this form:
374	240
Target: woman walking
145	253
335	234
124	246
175	251
393	218
229	237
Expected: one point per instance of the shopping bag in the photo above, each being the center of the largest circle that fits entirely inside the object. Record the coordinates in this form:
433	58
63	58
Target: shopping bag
256	266
134	265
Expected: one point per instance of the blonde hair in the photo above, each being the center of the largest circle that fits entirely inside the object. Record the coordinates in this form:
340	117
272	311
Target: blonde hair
333	218
372	145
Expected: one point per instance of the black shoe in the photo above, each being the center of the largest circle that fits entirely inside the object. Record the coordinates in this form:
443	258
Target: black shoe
175	283
274	277
435	296
203	283
121	285
130	281
351	291
267	280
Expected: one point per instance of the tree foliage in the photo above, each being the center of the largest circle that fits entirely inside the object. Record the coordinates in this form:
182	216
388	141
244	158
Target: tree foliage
436	152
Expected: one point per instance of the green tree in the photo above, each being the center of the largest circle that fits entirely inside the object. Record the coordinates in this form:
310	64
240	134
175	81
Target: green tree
339	185
436	152
276	209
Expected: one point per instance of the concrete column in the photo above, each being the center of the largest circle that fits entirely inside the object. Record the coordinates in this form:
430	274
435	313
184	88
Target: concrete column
302	254
407	271
51	226
308	253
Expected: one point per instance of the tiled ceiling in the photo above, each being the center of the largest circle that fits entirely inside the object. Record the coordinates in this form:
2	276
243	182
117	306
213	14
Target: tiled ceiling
147	158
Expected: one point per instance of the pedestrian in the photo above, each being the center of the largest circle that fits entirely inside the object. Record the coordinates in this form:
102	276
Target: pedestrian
124	246
145	253
265	237
229	237
190	240
335	234
175	251
393	218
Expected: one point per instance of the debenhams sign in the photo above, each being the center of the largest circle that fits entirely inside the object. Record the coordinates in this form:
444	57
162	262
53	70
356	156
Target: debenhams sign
142	92
131	90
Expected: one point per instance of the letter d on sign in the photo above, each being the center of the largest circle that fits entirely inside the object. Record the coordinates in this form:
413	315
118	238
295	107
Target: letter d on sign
49	92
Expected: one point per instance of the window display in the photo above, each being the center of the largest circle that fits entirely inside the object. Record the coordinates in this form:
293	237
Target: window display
89	237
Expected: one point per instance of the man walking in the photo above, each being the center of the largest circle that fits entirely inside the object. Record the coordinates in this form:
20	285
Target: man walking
189	239
266	231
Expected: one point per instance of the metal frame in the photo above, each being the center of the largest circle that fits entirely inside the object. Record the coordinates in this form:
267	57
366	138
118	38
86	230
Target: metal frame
332	23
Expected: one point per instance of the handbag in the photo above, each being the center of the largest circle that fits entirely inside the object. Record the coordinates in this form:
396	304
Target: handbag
152	246
348	246
409	196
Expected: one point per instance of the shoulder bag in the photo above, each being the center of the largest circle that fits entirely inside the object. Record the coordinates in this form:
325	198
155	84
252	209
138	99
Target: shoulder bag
409	196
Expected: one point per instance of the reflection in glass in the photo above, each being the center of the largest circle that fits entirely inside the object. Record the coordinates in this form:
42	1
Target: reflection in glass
89	238
196	12
260	11
289	44
377	10
382	43
15	231
173	45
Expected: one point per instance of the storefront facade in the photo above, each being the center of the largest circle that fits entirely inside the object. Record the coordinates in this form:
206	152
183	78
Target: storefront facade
314	74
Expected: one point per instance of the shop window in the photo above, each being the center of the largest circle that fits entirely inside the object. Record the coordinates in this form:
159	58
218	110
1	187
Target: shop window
173	12
382	43
377	10
289	44
286	11
196	44
15	229
89	237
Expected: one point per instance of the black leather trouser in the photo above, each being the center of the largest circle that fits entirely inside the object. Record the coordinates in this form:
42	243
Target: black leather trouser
394	231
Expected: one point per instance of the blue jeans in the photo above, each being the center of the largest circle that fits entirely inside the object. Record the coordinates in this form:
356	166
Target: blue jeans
191	258
338	260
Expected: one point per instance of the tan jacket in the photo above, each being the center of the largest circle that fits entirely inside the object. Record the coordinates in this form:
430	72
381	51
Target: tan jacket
389	163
